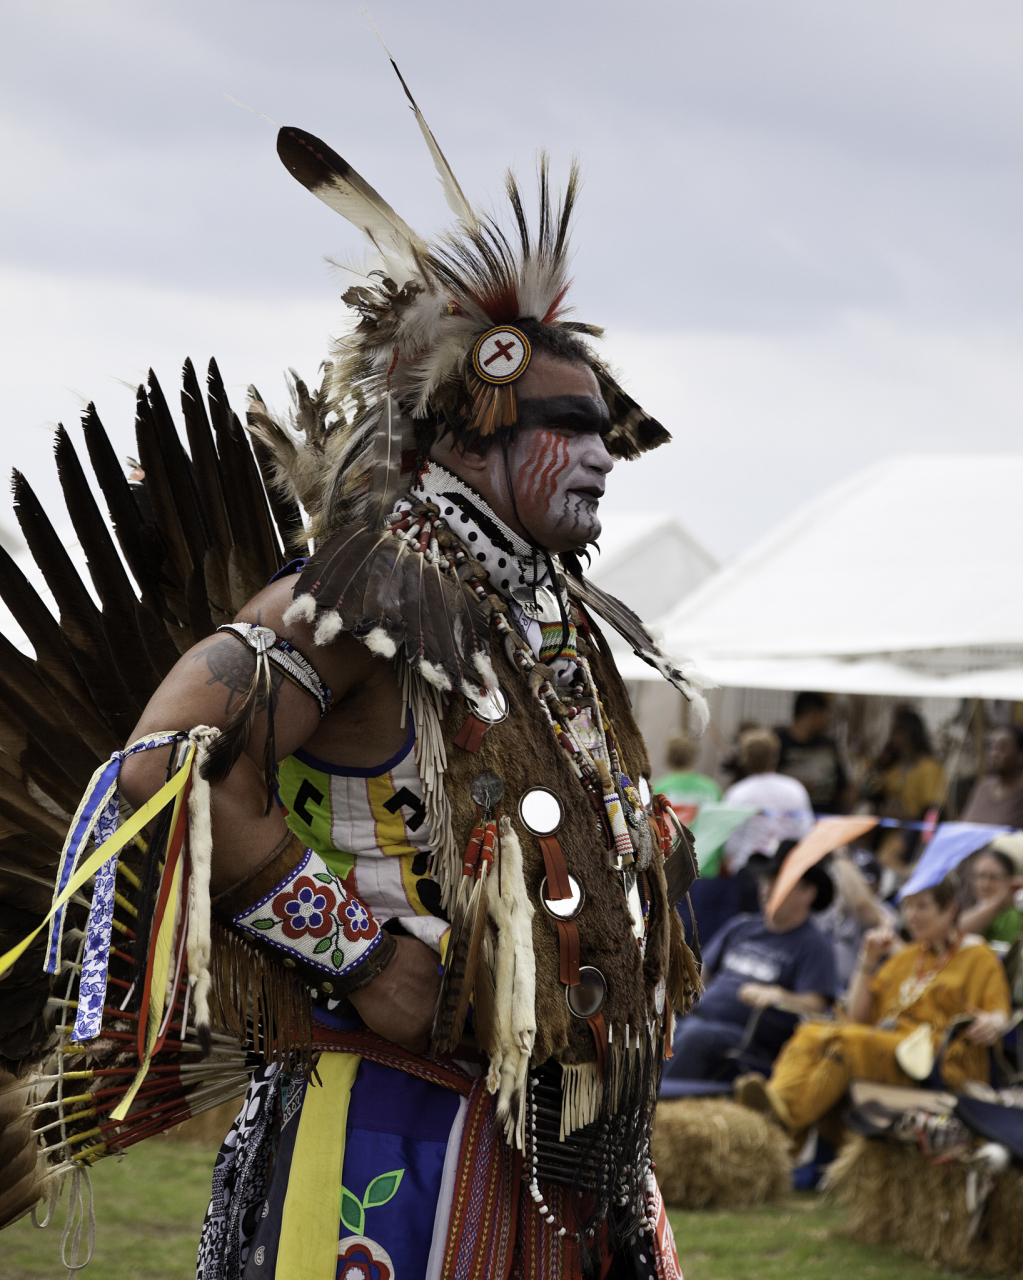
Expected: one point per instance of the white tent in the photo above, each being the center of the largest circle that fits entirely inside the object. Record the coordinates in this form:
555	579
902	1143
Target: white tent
905	580
649	560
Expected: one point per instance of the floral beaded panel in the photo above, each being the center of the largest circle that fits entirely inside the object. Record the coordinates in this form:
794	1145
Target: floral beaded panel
310	917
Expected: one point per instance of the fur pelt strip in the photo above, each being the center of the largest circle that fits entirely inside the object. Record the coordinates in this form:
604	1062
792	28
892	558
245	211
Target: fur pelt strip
200	847
512	912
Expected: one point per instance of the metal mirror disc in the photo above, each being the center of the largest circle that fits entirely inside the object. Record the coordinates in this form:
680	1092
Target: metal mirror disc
586	999
540	811
491	706
635	908
486	790
563	908
645	793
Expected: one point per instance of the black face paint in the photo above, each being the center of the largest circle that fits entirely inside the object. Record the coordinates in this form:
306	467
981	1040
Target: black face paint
573	413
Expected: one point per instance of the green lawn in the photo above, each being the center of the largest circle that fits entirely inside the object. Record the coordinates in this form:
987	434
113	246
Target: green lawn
149	1208
150	1205
801	1236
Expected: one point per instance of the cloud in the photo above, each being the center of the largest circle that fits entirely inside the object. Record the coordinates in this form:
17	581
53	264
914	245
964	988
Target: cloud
762	422
800	221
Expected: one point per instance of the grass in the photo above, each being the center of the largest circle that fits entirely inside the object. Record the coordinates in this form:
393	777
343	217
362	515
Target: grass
149	1208
800	1236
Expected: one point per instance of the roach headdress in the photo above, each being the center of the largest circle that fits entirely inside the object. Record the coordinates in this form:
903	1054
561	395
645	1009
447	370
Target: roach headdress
445	329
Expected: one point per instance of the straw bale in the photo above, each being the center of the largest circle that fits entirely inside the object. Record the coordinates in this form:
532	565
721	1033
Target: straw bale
896	1197
209	1128
712	1153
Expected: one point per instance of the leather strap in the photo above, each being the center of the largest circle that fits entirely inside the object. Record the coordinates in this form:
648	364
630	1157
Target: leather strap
558	886
470	736
258	883
568	941
599	1029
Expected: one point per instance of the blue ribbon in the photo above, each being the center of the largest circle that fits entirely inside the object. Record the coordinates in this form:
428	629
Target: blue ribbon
100	794
98	817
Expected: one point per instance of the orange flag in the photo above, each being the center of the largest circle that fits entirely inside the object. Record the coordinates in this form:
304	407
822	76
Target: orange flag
825	837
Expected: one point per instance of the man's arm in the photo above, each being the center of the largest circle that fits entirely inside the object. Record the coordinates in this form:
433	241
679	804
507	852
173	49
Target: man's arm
764	995
206	686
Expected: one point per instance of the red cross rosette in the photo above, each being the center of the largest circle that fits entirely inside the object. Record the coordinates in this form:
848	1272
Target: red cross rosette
501	355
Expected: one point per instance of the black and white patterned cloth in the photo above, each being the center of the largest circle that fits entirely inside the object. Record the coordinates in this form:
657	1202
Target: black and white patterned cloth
239	1181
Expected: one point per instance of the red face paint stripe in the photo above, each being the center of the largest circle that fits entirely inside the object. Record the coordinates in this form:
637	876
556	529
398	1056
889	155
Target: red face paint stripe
548	481
531	469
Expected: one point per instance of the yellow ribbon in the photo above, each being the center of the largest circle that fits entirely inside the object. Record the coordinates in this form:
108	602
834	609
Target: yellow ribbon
311	1220
107	850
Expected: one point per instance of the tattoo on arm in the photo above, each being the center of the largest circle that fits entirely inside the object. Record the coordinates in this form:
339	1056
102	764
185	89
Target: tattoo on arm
232	665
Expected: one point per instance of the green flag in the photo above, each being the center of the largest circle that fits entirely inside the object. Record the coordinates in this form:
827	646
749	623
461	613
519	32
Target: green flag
711	828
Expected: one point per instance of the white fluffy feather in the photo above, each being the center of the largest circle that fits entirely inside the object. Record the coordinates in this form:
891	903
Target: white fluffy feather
301	609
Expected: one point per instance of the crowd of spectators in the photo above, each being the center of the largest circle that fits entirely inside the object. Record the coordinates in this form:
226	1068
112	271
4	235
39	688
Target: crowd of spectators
843	977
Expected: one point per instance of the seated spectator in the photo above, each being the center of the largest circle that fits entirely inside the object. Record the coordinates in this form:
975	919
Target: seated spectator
908	781
996	877
788	813
811	756
998	797
940	975
686	789
753	963
856	908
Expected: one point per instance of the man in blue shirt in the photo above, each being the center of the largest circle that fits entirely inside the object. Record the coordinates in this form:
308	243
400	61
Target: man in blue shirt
752	963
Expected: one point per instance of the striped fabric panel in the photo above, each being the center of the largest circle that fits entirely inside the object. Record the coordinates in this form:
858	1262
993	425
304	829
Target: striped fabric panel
481	1228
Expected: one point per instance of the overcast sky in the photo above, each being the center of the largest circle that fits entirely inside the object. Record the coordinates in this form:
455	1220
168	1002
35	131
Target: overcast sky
801	219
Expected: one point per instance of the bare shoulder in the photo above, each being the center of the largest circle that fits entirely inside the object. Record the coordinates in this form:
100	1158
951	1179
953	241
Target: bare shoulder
342	663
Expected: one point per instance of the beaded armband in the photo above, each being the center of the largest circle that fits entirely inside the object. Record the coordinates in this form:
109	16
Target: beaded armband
285	657
297	908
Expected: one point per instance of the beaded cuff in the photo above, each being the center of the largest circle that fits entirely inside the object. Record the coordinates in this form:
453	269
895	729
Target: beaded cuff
328	937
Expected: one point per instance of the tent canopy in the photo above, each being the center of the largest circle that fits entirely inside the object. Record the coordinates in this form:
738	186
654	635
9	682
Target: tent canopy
905	579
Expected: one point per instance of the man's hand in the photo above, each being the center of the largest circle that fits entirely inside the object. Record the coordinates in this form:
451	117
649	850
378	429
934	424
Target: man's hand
400	1003
760	995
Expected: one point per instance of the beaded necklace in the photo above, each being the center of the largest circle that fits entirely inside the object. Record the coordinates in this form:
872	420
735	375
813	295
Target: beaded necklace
913	987
575	716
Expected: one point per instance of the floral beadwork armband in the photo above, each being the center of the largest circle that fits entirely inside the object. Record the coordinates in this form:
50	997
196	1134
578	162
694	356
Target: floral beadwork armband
328	937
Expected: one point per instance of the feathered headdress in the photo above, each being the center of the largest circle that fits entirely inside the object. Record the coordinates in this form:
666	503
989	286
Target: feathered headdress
442	336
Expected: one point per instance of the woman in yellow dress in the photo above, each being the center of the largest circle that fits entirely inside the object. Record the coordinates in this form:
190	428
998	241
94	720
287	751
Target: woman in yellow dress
940	975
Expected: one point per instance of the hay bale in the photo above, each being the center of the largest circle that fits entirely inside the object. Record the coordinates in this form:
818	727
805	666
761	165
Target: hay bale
710	1153
209	1128
896	1197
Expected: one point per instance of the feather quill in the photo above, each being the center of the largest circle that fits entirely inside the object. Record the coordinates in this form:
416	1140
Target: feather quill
453	192
333	180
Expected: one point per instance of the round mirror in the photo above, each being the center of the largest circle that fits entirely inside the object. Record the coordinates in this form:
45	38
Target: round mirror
490	705
645	793
540	811
486	790
564	908
659	993
635	907
585	999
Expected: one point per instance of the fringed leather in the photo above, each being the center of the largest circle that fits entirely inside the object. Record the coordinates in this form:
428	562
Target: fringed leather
684	985
261	1002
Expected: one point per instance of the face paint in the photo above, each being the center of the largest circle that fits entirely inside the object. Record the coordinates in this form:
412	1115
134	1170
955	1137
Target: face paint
541	473
558	478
